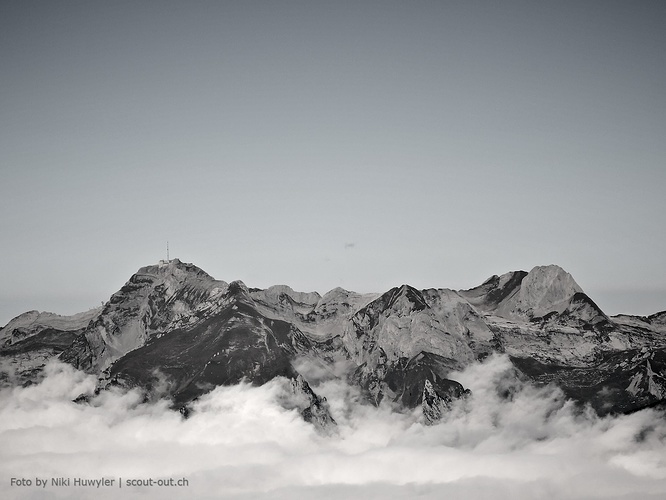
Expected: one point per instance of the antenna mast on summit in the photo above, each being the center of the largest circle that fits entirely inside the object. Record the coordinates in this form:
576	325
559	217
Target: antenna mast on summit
167	251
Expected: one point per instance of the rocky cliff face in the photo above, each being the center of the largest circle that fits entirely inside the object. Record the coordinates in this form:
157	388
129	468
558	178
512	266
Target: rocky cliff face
436	402
546	295
312	407
231	343
178	333
389	338
31	339
156	300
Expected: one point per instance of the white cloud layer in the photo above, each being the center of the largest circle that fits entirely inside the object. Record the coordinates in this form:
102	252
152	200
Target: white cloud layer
241	442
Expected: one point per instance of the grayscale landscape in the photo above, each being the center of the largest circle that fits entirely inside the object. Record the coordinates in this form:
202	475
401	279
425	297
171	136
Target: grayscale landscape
329	249
497	383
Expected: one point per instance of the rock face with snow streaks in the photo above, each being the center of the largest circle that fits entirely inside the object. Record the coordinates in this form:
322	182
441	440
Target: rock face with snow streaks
156	300
176	332
31	339
389	337
313	408
435	404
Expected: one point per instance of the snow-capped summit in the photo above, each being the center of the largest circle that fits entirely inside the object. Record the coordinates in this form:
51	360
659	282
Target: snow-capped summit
545	289
545	294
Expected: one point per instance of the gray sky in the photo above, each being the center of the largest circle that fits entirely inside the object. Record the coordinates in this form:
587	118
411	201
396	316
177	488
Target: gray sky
320	144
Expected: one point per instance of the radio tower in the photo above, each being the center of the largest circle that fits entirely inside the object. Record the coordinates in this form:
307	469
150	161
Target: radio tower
167	251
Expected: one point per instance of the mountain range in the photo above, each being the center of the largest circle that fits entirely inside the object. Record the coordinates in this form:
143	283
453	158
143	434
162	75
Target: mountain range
176	332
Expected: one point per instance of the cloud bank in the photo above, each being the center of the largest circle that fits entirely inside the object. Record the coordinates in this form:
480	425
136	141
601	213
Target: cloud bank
509	440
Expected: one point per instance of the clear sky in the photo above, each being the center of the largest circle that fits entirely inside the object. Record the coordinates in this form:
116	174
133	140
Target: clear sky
337	143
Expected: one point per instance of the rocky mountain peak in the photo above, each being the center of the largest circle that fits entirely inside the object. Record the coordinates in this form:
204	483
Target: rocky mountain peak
237	287
279	292
432	405
155	300
313	408
545	288
175	269
402	300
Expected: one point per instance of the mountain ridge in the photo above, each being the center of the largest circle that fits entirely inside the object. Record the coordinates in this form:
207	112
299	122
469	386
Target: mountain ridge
175	330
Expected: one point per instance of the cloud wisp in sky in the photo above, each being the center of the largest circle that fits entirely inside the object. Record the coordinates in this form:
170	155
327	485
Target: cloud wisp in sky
508	440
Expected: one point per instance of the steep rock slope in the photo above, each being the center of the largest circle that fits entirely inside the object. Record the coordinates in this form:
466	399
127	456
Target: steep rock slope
232	344
555	333
156	300
385	338
34	322
547	295
318	317
31	339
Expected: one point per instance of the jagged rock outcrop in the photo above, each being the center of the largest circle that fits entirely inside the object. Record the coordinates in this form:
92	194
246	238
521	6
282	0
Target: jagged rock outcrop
618	382
435	403
313	408
649	380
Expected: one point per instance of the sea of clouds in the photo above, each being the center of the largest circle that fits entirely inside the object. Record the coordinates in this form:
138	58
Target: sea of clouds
508	440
